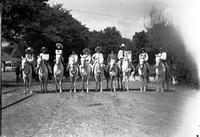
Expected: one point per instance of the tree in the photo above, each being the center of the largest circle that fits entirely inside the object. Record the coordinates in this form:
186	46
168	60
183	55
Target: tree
162	33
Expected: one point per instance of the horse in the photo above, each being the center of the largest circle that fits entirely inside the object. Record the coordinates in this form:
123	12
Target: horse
142	71
85	71
113	72
126	70
42	73
27	75
58	73
98	74
73	73
160	71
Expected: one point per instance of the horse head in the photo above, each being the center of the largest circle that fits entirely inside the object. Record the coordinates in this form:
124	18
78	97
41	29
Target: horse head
24	62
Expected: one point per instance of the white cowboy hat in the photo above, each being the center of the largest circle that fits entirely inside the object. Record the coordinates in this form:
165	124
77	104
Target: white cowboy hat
97	49
86	51
122	45
29	49
43	48
59	45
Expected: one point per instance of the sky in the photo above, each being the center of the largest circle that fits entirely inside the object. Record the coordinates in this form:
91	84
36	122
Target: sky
126	15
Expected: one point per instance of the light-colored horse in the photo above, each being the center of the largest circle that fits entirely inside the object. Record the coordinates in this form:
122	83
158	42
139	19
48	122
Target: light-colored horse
126	70
42	74
160	71
58	73
85	71
142	71
73	73
98	75
27	75
113	72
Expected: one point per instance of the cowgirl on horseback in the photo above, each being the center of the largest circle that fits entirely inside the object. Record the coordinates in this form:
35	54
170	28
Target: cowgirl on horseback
74	58
97	57
29	56
45	56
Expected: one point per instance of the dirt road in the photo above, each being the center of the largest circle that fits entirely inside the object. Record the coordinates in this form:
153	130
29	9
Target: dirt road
94	114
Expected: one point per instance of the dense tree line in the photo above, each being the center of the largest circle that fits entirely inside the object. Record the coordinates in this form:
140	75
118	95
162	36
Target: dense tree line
35	23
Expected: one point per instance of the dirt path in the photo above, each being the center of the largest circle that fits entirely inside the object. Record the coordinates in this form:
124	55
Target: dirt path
95	114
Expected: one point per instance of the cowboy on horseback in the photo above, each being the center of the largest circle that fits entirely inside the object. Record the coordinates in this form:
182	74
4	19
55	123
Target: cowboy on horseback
86	55
97	57
45	56
59	50
73	58
29	56
121	54
163	56
143	59
112	56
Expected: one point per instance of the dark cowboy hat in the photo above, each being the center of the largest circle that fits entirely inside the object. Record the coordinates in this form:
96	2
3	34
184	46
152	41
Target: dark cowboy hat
97	49
86	51
143	49
43	49
59	45
29	49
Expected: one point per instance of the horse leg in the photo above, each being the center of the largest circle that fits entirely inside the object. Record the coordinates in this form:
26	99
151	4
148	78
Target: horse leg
46	82
114	81
96	84
87	85
111	84
157	88
70	84
83	85
101	84
75	85
60	84
56	84
25	85
30	82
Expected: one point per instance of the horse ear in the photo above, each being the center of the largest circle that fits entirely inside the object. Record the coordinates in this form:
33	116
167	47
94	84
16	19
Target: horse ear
22	57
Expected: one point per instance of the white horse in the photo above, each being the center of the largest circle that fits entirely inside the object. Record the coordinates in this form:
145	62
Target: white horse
42	74
73	73
58	73
85	71
113	72
126	69
160	71
27	75
98	74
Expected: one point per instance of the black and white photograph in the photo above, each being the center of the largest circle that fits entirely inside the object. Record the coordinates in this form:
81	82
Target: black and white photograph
100	68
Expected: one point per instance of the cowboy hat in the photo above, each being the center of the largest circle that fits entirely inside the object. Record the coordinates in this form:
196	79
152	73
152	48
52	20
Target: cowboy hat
97	49
43	49
29	49
86	51
59	45
122	45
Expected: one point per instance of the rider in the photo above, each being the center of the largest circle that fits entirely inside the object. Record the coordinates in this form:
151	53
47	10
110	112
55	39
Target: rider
98	56
59	52
121	53
163	56
74	58
29	56
45	56
143	57
113	56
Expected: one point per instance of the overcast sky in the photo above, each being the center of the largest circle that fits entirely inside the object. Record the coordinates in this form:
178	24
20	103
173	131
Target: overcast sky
126	15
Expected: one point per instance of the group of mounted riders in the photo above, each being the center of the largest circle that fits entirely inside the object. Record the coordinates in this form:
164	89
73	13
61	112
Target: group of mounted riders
98	59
